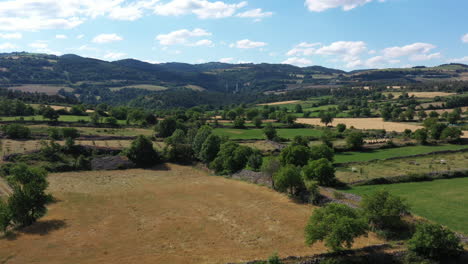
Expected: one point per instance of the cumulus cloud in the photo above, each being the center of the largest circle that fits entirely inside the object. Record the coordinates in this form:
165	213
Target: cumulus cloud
184	37
346	5
203	9
33	15
7	46
114	55
344	48
415	52
203	42
460	60
304	49
39	45
226	60
257	13
11	35
248	44
298	61
61	36
107	38
465	38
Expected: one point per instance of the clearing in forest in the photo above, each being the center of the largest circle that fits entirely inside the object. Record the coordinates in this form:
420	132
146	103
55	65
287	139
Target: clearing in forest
174	214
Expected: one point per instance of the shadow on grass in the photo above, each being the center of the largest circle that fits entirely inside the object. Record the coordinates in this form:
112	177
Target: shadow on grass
44	227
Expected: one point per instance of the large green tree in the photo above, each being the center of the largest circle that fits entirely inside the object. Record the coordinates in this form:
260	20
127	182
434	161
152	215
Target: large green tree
335	224
141	152
288	178
384	210
321	171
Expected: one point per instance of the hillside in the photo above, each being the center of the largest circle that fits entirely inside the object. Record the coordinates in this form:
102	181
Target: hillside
119	82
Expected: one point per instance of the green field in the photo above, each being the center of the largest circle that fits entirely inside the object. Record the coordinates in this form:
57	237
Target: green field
345	157
404	166
441	201
247	134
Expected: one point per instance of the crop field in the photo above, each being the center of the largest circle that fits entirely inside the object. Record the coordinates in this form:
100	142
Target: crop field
441	111
174	215
363	123
441	201
41	88
345	157
258	133
424	94
404	166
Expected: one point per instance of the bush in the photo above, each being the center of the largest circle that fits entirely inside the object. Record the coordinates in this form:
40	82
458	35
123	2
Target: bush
421	136
288	178
16	131
257	121
5	216
335	224
384	210
322	151
69	132
255	160
210	148
231	158
55	133
142	153
341	128
274	259
239	123
435	242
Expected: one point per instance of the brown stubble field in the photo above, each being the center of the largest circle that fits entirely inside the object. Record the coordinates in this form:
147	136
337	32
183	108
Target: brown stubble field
174	214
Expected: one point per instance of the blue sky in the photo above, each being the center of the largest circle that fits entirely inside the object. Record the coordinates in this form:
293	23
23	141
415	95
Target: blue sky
344	34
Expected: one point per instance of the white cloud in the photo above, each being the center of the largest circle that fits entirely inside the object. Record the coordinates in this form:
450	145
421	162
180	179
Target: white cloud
346	5
226	60
425	57
114	55
408	50
183	37
61	36
298	61
460	60
203	42
11	35
248	44
304	49
33	15
255	13
39	45
204	9
7	46
107	38
80	36
465	38
344	48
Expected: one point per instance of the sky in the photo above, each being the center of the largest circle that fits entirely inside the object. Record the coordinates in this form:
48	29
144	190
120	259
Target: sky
342	34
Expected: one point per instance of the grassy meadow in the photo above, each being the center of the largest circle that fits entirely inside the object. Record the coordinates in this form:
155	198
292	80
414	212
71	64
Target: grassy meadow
251	134
441	201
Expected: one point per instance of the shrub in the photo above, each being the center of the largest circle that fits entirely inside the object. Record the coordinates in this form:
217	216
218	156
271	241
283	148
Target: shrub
257	121
55	133
300	141
239	122
433	241
274	259
322	152
341	128
335	224
142	153
69	132
231	158
451	134
421	135
16	131
255	160
5	216
166	127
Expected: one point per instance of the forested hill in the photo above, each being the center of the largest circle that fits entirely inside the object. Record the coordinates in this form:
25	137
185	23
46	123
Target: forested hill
176	84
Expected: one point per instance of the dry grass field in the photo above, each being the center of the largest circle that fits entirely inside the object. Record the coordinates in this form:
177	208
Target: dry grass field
441	111
424	94
41	88
363	123
174	214
282	103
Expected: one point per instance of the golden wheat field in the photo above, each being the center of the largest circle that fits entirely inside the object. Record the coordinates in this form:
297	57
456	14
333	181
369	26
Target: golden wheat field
173	214
363	123
282	103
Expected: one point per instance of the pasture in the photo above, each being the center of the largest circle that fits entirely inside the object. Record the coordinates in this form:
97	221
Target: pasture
404	166
283	103
361	156
174	214
441	201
